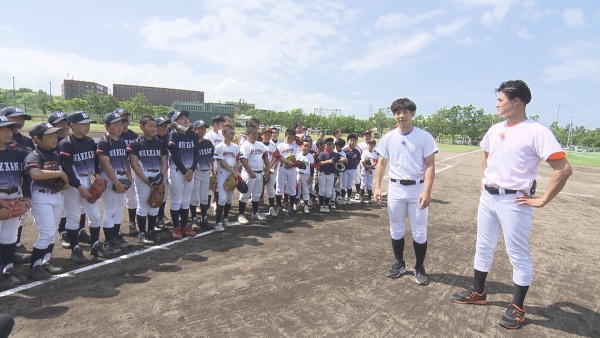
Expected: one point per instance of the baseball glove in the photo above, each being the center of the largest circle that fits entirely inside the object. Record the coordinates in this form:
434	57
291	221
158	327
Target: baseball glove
301	165
52	184
156	196
292	158
97	189
212	184
14	208
123	181
156	180
230	183
242	187
368	162
340	167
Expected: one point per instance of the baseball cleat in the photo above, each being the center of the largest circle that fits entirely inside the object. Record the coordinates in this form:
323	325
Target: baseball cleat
99	252
470	297
143	238
306	209
64	241
243	220
112	247
219	227
83	237
227	223
121	242
513	318
176	233
397	270
272	211
187	231
52	268
78	257
133	231
38	273
322	208
15	277
420	276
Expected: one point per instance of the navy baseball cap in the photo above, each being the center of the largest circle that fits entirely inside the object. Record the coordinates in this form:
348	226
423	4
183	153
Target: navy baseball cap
161	120
4	122
13	111
198	124
79	117
122	112
41	129
56	116
171	113
112	117
178	113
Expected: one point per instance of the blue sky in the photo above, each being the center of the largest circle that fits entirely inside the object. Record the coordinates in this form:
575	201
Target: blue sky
309	54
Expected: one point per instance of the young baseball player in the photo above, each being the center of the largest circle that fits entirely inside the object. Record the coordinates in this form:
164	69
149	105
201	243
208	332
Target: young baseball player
215	135
326	160
320	145
274	135
182	164
226	154
286	177
11	182
255	164
513	150
162	132
368	162
353	155
46	204
148	158
79	161
205	150
339	194
273	159
362	146
411	154
305	176
16	114
113	163
129	136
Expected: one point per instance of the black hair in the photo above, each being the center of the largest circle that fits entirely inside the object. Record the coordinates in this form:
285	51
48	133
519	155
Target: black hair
351	136
329	140
403	104
227	127
145	119
515	88
290	131
340	142
217	119
320	142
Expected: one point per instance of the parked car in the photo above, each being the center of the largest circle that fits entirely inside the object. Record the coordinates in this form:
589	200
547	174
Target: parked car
314	129
376	135
328	132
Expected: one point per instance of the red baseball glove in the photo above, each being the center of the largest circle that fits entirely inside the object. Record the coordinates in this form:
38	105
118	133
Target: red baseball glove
97	189
14	208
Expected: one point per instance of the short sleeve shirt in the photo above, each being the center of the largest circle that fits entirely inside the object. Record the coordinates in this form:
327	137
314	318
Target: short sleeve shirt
407	152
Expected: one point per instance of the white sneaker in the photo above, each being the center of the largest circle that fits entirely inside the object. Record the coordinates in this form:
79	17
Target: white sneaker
212	211
306	210
343	201
259	217
322	208
326	210
227	223
332	206
310	203
219	227
295	207
243	220
272	211
357	197
348	200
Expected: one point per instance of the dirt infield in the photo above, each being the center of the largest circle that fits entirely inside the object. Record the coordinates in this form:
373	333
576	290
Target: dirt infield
325	275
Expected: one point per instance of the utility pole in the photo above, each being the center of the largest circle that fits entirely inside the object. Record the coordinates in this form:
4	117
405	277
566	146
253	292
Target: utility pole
50	91
570	137
14	92
558	111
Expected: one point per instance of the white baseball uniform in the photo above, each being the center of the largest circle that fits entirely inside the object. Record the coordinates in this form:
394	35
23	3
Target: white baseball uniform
253	153
366	177
228	153
286	178
303	175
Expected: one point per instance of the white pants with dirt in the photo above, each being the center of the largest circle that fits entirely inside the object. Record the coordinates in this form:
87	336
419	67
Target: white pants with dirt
286	179
303	186
326	185
225	196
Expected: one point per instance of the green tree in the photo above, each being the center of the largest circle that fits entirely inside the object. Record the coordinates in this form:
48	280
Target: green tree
381	120
138	106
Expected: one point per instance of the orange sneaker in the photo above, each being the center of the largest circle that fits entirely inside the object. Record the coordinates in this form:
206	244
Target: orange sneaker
513	317
187	230
177	233
470	297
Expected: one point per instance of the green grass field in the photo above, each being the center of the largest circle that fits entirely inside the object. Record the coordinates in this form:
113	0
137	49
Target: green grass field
584	159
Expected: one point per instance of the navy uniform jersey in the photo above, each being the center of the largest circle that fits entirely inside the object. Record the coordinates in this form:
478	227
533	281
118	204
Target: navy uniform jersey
115	150
164	140
182	147
148	152
325	156
129	136
206	151
353	156
21	141
11	169
78	158
36	159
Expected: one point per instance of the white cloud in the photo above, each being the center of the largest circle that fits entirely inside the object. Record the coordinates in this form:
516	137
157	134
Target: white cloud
573	17
399	20
524	34
576	68
495	16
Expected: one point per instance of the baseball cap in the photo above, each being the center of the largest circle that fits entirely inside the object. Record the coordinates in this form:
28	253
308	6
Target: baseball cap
13	111
56	116
198	124
367	132
4	122
372	141
160	120
40	129
122	112
177	114
337	131
171	113
267	129
79	117
112	117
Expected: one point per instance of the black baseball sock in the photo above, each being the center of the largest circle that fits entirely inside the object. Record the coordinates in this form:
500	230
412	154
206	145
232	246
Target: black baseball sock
278	199
479	278
19	235
241	207
175	218
292	202
350	192
327	201
82	222
117	230
219	213
193	210
420	252
362	192
226	209
322	201
95	235
151	223
62	224
36	256
73	234
343	193
519	294
255	207
141	223
161	210
7	254
209	198
398	248
131	213
108	234
203	210
357	186
183	213
370	194
272	202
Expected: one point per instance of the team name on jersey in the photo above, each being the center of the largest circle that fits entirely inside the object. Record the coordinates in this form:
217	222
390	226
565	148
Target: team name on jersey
83	156
149	153
11	166
205	151
185	145
229	154
256	151
117	152
127	142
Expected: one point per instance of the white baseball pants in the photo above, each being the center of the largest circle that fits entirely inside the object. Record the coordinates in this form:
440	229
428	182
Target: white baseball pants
200	192
142	192
181	189
112	202
74	204
403	200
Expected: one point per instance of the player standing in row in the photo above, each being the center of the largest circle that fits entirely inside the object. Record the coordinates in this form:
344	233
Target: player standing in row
200	193
182	164
46	204
16	114
273	159
411	154
368	164
513	150
129	136
362	146
353	155
162	132
115	168
326	159
11	187
286	177
338	192
226	154
304	175
148	159
275	136
79	161
255	163
215	135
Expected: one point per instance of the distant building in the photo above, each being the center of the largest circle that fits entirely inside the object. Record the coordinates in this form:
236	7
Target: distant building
71	89
243	105
204	110
156	95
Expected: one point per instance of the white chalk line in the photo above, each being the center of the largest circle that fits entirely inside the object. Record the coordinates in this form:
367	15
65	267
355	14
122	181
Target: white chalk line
97	265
